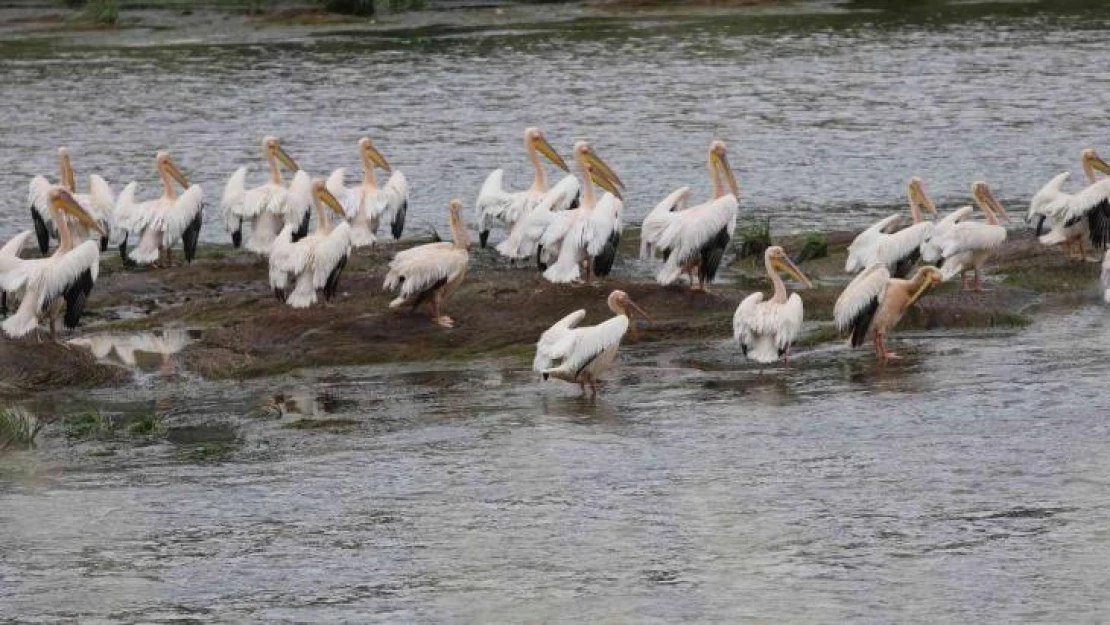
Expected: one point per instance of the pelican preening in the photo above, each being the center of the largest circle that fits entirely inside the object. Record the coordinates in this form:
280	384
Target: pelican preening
967	245
366	203
315	262
766	329
581	355
1074	217
432	272
63	280
587	237
874	302
269	207
495	204
99	202
695	237
161	222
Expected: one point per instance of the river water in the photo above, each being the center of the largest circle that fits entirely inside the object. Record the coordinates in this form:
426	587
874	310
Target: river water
968	483
828	109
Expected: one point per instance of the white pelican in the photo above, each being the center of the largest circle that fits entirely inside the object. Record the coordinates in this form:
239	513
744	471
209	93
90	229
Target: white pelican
900	250
588	235
432	272
268	207
161	222
1045	206
9	259
1090	206
315	262
873	303
526	235
581	355
60	281
930	251
495	204
366	203
98	202
765	330
697	236
966	246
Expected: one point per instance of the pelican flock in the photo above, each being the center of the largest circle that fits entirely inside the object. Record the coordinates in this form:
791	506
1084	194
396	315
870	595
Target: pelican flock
572	228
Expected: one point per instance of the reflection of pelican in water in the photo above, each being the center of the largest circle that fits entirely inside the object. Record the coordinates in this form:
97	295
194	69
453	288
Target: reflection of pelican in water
123	348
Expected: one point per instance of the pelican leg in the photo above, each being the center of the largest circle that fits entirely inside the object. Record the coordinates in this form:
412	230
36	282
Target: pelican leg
169	257
978	280
881	350
53	329
963	280
441	320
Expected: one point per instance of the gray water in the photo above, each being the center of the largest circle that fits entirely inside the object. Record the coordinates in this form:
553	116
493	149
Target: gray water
968	483
828	110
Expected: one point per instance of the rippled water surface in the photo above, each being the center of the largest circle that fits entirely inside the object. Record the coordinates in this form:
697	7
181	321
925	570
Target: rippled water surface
828	112
968	483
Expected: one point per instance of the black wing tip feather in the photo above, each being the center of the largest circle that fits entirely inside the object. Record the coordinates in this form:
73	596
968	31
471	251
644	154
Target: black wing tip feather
42	232
191	237
77	296
302	230
711	255
904	265
331	287
397	227
237	236
483	237
603	262
862	322
1099	221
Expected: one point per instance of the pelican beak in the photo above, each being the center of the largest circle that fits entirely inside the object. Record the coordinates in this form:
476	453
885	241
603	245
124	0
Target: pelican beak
329	200
932	279
787	265
919	197
720	161
603	176
63	201
639	311
285	159
176	174
376	157
543	147
1096	162
69	181
986	196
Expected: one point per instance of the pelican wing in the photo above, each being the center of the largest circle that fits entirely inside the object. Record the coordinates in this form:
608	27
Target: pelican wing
1080	204
659	219
234	202
347	196
528	231
552	345
331	250
580	346
765	330
100	201
861	253
930	250
132	216
856	306
11	278
970	236
298	199
495	203
288	258
1047	196
183	217
423	267
899	251
601	223
746	320
395	197
695	230
36	196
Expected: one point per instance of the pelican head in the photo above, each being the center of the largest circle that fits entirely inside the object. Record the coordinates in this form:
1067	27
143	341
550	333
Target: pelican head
598	170
621	304
534	139
718	161
923	279
1092	161
62	200
323	196
166	167
986	200
371	156
916	192
777	258
69	181
271	147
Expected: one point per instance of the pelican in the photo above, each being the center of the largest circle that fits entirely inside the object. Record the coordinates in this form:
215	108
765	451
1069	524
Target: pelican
98	202
315	262
930	250
590	234
765	330
1044	206
966	246
581	355
900	250
60	281
1090	206
9	259
367	203
874	302
270	206
526	235
432	272
161	222
495	204
695	237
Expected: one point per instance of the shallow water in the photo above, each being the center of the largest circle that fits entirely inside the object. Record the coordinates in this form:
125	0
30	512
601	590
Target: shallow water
828	110
965	484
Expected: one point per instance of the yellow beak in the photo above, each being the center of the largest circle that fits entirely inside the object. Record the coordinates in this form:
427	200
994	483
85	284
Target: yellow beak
603	175
543	147
69	181
285	159
1099	164
720	161
175	173
786	265
375	156
63	201
329	200
919	197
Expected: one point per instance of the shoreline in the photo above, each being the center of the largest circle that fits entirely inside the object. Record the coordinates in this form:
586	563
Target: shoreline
241	331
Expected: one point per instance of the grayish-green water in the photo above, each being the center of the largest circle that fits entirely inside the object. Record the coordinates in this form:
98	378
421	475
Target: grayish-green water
968	483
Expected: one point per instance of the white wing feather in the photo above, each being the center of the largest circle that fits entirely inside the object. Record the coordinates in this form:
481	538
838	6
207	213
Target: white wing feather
861	252
329	251
863	290
690	230
970	236
36	196
421	267
551	346
47	278
178	217
298	199
581	345
659	219
892	248
1049	193
1079	204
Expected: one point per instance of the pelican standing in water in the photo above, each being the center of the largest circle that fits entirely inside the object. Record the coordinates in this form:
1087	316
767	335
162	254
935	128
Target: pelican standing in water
582	355
268	207
366	203
495	204
874	302
968	245
765	330
586	237
161	222
315	262
62	281
695	237
431	273
98	202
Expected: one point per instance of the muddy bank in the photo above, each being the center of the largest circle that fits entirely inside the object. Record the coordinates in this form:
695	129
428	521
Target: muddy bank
241	331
